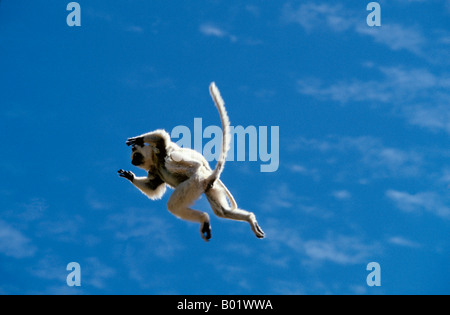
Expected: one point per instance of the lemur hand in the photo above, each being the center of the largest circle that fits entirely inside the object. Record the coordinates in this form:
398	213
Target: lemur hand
126	174
135	141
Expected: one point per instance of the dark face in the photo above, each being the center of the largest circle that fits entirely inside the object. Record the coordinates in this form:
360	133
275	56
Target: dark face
137	158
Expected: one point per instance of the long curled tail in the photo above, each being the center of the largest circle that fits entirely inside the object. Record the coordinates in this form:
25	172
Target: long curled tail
220	104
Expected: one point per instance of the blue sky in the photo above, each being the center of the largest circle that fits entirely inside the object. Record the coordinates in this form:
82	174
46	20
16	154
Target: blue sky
364	118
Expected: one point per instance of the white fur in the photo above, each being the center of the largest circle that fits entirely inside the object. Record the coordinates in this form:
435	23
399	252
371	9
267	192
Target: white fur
188	172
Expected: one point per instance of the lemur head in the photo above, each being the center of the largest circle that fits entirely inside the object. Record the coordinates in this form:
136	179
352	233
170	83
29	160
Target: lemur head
152	155
143	156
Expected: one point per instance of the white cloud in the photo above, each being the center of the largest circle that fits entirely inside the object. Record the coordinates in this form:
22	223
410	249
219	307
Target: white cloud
288	287
403	242
302	170
431	117
113	21
49	267
363	157
318	16
34	209
418	95
135	224
339	249
95	273
335	248
398	84
422	201
62	228
140	236
253	10
284	197
445	177
214	31
395	36
142	227
342	194
13	243
279	197
95	202
210	30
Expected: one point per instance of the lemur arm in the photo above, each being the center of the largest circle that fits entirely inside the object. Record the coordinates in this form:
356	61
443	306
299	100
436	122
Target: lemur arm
152	186
157	138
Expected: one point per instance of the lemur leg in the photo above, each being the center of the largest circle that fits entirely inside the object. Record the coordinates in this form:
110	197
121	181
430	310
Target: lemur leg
184	196
218	200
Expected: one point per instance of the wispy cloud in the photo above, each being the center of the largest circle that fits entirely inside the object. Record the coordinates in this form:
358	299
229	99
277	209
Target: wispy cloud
62	228
416	93
213	30
341	194
396	37
445	176
335	248
52	268
49	267
423	201
305	171
13	243
143	227
286	287
365	157
283	196
253	10
113	21
96	273
141	236
434	118
403	242
95	202
397	84
343	250
209	29
34	209
313	16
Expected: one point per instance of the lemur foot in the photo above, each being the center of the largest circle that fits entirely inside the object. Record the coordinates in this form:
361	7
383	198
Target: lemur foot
256	228
206	231
258	231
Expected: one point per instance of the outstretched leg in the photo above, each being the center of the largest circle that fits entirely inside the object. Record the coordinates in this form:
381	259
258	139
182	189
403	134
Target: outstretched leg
217	198
184	196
